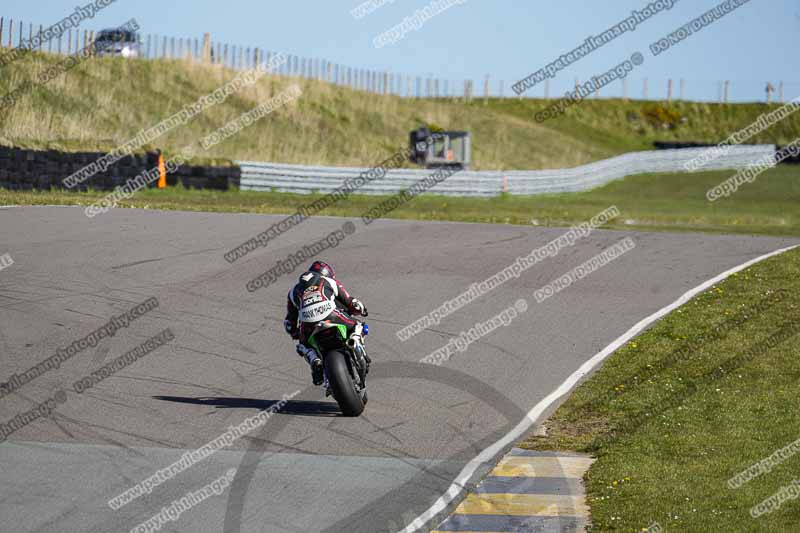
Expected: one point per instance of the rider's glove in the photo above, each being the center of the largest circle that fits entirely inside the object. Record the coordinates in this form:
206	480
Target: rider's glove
358	306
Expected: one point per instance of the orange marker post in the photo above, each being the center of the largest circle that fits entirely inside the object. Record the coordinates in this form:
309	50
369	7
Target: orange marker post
162	170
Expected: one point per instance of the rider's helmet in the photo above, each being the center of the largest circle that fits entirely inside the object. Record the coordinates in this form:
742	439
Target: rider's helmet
322	268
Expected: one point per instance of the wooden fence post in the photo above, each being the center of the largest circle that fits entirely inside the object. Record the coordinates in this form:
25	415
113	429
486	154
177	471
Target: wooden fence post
206	47
10	33
669	91
486	91
2	23
727	89
780	89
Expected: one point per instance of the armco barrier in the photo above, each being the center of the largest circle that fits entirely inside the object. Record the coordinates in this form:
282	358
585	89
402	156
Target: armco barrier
257	176
22	169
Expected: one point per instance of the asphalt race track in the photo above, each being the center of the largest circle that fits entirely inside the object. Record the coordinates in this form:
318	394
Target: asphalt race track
306	469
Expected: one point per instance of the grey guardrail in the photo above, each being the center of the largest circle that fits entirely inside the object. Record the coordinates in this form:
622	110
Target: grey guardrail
304	179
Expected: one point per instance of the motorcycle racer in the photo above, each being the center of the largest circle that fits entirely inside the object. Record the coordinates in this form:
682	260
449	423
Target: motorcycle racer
318	296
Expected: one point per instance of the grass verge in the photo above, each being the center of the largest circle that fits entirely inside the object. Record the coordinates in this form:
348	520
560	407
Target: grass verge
705	393
653	202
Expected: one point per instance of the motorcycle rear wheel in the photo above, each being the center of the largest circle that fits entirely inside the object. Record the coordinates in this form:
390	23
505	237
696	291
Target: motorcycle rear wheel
341	384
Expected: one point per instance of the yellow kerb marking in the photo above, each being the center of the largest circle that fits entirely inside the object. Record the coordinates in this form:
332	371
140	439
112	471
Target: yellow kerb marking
523	505
520	466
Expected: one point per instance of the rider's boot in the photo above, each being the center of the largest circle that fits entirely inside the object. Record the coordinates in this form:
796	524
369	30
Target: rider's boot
310	355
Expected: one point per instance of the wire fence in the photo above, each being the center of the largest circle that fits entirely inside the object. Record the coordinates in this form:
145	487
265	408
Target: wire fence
238	57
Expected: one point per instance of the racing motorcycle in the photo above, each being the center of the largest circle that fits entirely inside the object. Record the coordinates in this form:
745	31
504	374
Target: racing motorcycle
345	362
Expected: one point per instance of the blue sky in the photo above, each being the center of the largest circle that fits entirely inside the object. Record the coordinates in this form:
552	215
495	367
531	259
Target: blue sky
507	39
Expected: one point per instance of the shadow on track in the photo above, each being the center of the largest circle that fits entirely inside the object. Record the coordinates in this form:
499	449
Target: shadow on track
291	407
